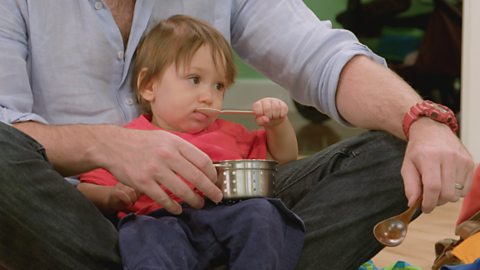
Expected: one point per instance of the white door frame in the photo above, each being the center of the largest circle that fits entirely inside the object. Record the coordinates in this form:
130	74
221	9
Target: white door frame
470	94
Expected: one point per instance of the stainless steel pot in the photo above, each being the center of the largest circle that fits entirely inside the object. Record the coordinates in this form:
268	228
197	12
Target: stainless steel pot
246	178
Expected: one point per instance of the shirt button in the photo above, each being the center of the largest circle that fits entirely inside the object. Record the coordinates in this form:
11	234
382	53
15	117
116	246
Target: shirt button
129	101
120	55
98	5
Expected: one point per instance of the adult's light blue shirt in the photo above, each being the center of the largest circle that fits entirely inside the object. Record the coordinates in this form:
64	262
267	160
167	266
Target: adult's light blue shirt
63	61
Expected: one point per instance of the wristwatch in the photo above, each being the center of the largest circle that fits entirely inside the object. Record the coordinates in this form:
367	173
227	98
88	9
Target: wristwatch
427	108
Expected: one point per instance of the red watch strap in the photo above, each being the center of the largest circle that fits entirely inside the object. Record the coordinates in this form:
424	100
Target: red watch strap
427	108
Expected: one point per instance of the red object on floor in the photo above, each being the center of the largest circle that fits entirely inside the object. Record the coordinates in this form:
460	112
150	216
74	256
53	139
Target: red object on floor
471	203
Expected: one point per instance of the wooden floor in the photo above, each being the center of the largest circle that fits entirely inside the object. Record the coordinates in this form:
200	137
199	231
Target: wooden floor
418	248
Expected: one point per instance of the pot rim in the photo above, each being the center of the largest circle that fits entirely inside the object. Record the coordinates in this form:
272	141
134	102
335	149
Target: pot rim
246	160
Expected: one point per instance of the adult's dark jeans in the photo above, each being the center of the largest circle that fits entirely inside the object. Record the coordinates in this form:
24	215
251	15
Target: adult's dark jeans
340	193
45	223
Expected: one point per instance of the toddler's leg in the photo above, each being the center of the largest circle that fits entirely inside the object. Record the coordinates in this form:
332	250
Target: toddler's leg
156	243
255	234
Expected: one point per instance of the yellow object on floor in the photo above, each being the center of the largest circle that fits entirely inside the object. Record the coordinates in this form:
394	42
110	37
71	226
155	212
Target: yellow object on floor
469	250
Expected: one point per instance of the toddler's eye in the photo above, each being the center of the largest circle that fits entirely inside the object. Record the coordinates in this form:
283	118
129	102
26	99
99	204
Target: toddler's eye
194	79
219	86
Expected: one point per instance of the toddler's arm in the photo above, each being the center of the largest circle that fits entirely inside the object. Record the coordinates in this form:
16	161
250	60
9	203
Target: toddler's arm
271	113
109	199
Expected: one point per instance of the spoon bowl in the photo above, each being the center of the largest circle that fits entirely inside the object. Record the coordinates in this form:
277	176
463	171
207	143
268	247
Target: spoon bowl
392	231
216	112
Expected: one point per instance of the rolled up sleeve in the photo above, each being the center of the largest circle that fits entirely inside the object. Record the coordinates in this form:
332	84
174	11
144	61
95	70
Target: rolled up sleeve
16	99
285	41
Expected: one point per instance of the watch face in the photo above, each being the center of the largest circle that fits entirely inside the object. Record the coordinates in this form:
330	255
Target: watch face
432	110
438	107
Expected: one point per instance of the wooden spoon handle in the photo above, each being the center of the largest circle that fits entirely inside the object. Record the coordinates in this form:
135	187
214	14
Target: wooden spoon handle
407	217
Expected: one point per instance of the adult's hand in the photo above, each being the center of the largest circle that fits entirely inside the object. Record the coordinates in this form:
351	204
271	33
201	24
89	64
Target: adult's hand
142	159
148	160
373	97
435	161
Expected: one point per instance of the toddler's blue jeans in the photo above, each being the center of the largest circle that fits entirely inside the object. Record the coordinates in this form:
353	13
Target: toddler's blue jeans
250	234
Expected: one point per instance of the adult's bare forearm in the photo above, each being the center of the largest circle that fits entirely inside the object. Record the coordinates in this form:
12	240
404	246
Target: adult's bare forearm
141	159
72	149
372	96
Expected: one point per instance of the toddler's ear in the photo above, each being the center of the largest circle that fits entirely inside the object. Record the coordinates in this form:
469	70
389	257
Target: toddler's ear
146	90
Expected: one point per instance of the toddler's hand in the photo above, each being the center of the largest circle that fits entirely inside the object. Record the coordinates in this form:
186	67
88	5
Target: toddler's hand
270	111
121	197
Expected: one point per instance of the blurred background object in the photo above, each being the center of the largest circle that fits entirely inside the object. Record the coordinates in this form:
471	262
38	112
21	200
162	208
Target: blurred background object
420	39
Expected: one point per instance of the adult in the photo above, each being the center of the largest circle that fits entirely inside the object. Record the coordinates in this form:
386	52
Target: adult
65	89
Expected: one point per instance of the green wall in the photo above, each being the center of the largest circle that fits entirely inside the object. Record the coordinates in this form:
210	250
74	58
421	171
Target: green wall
325	9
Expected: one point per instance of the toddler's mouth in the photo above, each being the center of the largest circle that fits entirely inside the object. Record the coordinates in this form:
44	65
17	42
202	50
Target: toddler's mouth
200	115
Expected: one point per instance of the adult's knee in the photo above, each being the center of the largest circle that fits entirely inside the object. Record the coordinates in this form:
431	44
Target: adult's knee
17	146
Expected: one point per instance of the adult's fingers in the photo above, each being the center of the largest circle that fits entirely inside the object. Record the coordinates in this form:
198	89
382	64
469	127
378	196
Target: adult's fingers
186	161
198	169
465	176
412	182
156	193
450	177
468	183
431	174
159	158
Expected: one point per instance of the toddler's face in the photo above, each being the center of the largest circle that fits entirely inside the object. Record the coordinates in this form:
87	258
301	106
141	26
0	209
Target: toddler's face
182	89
